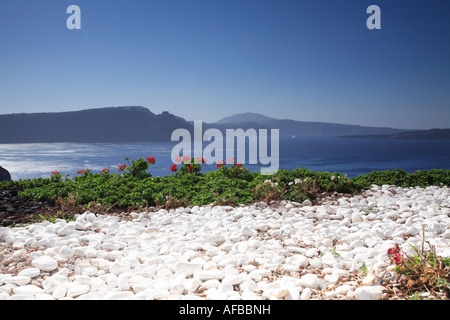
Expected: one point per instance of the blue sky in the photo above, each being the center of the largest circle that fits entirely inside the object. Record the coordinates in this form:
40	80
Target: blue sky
310	60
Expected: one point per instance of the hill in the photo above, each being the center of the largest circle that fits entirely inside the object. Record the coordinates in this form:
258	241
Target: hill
115	124
293	127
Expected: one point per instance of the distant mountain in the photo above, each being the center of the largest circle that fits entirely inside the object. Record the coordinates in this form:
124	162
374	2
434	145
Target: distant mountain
433	134
245	117
293	127
115	124
139	124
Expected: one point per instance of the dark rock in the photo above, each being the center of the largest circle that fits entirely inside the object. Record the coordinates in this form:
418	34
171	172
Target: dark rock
10	209
4	174
7	222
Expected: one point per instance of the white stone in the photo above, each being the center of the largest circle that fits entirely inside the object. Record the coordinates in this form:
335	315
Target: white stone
280	292
65	252
311	252
340	273
120	295
306	294
17	280
215	240
119	267
343	289
356	217
258	274
309	281
369	293
371	278
246	231
75	289
29	272
28	289
210	274
4	232
233	280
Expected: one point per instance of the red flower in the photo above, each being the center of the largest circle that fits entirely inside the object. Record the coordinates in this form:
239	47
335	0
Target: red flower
105	170
173	168
201	160
122	167
220	163
151	160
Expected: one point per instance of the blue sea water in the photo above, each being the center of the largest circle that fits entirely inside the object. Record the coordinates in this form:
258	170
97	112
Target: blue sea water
322	153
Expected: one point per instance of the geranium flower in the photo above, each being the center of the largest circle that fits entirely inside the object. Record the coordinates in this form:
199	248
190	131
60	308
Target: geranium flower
173	168
106	170
201	160
220	163
151	160
185	158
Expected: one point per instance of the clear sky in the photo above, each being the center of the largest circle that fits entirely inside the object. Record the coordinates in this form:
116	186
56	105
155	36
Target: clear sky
310	60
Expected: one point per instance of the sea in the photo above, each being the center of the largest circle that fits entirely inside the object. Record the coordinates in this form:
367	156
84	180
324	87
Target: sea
352	156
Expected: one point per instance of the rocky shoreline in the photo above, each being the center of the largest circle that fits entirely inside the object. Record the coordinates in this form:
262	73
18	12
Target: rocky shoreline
333	250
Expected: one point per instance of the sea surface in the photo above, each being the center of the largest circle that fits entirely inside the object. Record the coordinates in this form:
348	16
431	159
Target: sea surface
353	156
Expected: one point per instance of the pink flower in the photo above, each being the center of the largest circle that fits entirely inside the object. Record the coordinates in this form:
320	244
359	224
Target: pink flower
185	158
201	160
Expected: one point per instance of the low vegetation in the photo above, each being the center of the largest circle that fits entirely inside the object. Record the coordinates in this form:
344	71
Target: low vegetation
134	187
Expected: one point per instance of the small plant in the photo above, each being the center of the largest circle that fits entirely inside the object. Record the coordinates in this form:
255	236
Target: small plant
424	270
363	269
269	191
236	171
190	165
56	176
84	172
138	168
334	252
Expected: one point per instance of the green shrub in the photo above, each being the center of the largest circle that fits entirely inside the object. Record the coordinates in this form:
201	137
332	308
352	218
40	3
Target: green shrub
235	185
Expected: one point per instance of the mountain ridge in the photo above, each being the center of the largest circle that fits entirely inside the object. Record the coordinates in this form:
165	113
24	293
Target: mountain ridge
289	126
139	124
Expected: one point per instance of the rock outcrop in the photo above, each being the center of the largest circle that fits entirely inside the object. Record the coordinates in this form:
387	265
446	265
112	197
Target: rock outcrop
4	175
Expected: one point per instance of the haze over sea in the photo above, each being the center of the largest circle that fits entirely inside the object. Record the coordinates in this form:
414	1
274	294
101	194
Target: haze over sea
321	153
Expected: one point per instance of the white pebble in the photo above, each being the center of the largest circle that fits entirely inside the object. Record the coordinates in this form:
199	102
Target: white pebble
369	293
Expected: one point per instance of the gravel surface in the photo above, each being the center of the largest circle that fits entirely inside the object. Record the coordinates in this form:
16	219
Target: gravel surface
279	251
